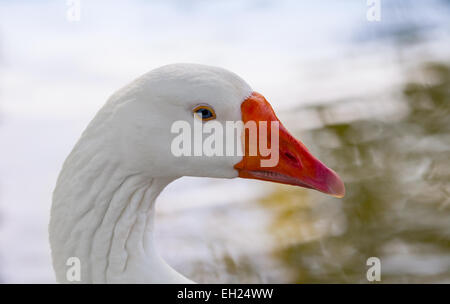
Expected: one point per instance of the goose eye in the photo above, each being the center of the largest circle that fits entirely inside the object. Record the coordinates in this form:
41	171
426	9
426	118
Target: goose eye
205	113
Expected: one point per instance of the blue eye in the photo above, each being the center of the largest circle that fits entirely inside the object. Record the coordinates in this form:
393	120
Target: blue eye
205	113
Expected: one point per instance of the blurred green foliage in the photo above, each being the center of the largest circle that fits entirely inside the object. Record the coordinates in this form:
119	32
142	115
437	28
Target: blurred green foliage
397	205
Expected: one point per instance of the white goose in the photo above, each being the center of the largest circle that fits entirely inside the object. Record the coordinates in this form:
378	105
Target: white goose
104	202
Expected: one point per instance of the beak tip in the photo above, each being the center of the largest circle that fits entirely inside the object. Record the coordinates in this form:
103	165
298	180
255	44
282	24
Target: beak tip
339	195
337	187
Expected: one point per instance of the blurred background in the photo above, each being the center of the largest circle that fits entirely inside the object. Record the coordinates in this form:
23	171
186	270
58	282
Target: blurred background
369	98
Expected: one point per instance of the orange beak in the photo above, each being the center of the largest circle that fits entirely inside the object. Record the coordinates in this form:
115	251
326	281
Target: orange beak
295	166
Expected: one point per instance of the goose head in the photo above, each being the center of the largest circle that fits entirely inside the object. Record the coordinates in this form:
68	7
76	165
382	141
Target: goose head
140	130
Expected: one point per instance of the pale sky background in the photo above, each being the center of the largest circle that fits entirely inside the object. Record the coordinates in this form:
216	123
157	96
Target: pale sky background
55	74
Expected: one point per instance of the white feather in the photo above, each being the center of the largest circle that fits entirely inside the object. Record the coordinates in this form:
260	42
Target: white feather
104	200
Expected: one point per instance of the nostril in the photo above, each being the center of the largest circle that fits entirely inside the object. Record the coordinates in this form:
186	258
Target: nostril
291	157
